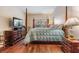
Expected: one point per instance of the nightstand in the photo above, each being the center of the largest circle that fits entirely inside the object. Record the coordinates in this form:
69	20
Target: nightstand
70	45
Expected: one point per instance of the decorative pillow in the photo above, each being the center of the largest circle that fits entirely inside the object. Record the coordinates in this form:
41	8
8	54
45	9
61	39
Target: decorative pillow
41	23
56	26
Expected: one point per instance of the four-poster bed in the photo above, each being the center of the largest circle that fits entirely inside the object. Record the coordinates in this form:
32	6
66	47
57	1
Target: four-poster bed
42	32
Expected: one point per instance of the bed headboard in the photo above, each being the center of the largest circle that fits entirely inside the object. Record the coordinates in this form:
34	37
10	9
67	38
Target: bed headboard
40	23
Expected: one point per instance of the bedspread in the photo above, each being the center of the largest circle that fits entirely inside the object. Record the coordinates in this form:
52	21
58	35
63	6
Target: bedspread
44	34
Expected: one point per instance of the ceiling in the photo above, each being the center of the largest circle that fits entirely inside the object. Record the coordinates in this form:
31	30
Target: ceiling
38	9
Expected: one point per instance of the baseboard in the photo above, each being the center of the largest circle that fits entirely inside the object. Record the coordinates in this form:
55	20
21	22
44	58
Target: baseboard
45	42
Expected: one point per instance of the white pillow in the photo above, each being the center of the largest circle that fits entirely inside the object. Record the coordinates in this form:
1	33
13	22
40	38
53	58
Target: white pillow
56	26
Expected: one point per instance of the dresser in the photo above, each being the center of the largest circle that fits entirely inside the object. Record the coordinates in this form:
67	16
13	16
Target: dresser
70	45
13	36
2	42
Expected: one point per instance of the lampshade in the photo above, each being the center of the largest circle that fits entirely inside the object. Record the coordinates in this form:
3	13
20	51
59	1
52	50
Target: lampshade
72	22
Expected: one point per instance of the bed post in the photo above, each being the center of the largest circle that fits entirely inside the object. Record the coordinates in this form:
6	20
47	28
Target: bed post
33	22
66	14
26	22
47	22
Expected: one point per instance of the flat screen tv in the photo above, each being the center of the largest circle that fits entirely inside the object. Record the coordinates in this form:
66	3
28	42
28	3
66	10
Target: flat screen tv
17	22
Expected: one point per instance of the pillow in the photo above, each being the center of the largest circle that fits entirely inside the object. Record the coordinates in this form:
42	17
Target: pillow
56	26
41	23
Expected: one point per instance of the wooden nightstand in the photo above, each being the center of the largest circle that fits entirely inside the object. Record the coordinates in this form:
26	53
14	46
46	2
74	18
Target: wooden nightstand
70	46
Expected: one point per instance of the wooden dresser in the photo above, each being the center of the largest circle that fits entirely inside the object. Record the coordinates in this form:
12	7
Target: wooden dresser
13	36
2	42
70	46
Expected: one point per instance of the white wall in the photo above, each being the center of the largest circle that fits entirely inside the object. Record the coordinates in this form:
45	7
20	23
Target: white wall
8	12
59	15
69	12
74	12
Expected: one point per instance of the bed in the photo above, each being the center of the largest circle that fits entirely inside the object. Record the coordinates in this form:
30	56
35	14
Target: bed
40	32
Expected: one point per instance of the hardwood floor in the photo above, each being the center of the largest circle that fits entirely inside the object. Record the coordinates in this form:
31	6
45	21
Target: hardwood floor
43	48
33	48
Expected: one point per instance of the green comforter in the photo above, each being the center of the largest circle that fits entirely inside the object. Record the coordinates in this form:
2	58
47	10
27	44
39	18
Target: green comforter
44	34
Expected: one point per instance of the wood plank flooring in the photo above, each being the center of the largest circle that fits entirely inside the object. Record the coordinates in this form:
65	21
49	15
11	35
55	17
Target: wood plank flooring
33	48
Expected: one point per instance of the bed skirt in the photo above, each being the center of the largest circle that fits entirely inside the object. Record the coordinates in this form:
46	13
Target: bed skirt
45	42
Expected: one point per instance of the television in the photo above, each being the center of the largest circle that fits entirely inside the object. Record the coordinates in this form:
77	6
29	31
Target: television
17	22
